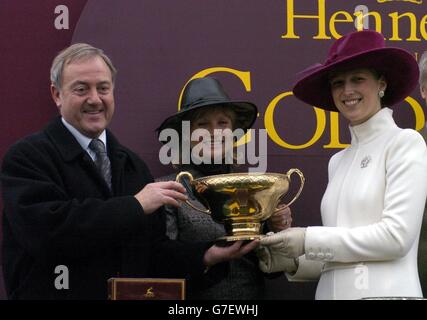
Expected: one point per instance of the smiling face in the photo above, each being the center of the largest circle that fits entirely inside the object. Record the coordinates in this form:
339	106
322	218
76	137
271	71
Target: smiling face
86	99
215	120
355	94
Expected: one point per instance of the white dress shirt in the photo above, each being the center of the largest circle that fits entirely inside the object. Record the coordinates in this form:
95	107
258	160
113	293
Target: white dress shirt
83	140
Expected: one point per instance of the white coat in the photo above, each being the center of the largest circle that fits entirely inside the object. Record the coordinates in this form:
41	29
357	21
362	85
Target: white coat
372	212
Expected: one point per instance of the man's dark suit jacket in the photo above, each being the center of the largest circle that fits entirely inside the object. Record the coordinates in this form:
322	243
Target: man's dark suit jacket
59	211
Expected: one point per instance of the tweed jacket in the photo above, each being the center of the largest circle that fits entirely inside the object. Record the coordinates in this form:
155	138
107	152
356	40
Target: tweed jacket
243	280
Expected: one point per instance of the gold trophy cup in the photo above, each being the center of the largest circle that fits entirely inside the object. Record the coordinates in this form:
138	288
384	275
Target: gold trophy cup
241	201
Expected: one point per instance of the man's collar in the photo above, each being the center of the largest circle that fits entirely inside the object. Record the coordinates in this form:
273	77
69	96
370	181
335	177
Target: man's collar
68	145
64	141
81	138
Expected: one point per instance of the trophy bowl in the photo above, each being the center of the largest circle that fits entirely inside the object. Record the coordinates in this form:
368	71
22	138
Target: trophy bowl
241	201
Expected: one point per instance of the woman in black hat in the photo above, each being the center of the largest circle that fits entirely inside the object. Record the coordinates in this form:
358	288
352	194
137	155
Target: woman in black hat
206	106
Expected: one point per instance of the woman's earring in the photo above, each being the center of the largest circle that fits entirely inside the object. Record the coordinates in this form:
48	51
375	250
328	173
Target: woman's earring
381	93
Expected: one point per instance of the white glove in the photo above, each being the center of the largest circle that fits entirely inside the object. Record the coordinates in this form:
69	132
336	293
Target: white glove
271	260
289	242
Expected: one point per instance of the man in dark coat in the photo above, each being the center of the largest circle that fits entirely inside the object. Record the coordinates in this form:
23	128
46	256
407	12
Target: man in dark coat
95	213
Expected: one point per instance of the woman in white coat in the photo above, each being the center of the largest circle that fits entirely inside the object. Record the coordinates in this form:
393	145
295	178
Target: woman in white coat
373	206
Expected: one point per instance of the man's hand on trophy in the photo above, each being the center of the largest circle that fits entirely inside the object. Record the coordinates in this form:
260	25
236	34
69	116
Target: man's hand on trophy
290	242
156	194
272	259
281	219
217	254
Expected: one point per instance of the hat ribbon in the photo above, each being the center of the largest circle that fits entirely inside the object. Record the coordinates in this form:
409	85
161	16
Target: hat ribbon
205	99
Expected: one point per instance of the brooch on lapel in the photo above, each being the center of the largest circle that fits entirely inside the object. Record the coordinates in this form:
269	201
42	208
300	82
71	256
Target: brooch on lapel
365	161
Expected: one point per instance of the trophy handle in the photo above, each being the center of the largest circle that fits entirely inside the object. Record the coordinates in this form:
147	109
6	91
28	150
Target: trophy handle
301	176
190	177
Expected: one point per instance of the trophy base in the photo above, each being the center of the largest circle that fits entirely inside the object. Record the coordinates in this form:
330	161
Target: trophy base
241	238
242	230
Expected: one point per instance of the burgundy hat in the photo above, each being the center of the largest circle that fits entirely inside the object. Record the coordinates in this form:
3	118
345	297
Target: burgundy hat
361	49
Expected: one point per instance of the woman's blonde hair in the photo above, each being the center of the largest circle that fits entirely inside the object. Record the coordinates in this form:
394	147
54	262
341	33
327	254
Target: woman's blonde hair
199	113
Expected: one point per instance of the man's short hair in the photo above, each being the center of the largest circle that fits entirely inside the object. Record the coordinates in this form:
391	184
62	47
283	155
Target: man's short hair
423	69
73	53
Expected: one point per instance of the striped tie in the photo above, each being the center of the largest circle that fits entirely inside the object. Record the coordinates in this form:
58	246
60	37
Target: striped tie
101	160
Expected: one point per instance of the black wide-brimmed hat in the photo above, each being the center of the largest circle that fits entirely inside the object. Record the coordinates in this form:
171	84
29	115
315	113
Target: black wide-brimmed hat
360	49
205	92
